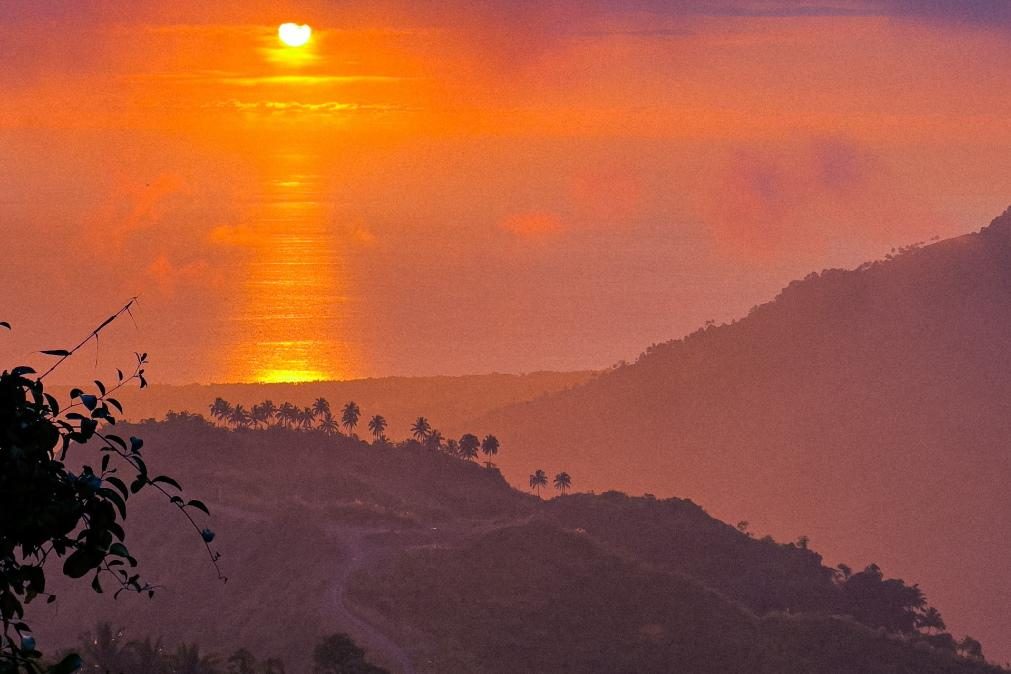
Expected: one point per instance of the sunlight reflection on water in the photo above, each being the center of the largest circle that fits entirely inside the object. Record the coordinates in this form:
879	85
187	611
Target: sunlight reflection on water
293	298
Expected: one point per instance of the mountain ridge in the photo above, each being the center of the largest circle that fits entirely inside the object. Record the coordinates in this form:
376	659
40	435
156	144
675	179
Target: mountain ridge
866	408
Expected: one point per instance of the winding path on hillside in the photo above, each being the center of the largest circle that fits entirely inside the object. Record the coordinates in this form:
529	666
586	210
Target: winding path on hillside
358	554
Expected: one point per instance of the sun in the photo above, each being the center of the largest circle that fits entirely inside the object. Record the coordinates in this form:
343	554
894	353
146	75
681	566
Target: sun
293	34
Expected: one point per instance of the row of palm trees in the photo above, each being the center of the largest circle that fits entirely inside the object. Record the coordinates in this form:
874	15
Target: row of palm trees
320	417
538	479
286	415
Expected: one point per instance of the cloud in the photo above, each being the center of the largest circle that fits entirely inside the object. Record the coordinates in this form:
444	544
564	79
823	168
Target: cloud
800	199
984	13
167	275
323	107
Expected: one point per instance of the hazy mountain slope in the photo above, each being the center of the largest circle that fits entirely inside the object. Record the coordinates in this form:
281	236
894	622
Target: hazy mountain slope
869	409
562	604
299	514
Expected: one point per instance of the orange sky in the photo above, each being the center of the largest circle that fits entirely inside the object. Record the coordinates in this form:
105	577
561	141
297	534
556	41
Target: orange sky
474	186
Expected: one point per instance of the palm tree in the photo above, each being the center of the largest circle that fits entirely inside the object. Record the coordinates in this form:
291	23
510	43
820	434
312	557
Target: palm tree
329	425
258	414
269	410
221	409
104	649
148	656
469	444
434	440
287	415
562	481
490	447
452	447
377	425
239	417
350	416
188	660
538	479
306	418
321	407
421	429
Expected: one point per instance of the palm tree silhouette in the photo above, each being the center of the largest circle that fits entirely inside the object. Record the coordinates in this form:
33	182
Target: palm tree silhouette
321	407
538	479
269	410
221	409
434	439
377	425
469	444
148	656
562	481
239	416
452	447
258	415
307	418
350	416
490	447
105	648
329	425
287	415
421	429
188	660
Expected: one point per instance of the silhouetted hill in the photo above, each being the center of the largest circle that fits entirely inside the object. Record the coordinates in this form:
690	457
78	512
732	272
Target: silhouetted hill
535	598
454	570
869	409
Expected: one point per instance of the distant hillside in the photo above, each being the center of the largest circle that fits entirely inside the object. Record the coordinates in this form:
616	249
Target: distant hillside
435	564
868	409
447	401
537	599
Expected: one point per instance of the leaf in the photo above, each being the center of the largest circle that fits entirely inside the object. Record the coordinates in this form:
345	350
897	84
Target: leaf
116	499
5	324
79	563
56	352
165	479
199	505
115	403
95	585
119	374
119	550
88	428
22	370
118	484
101	386
54	404
89	400
110	319
135	444
75	392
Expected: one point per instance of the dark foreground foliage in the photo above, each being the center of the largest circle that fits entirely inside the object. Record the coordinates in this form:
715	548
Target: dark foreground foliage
65	479
107	650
